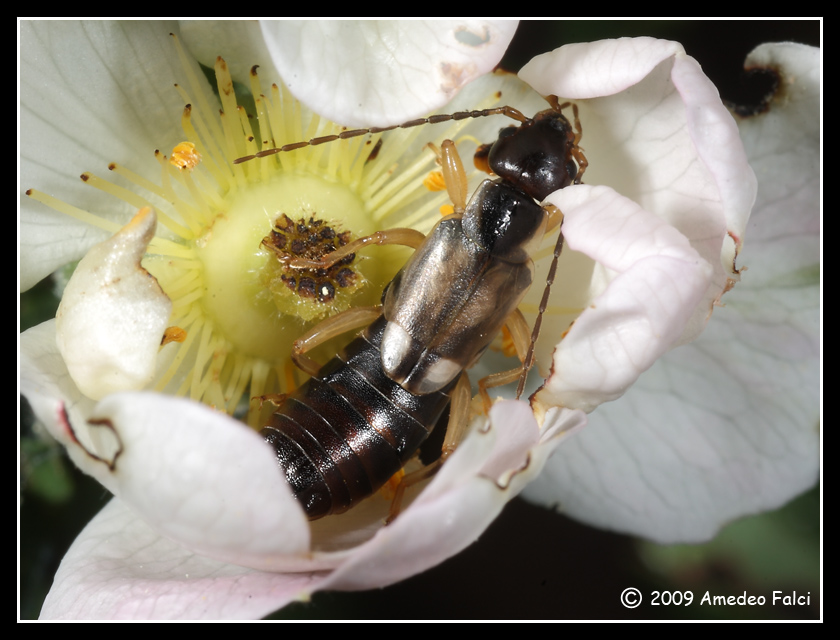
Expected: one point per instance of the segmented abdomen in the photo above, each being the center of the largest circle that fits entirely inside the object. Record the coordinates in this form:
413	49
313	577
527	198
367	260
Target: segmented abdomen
344	433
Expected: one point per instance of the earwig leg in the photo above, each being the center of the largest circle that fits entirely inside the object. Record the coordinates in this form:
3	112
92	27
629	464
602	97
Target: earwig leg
274	398
453	174
327	329
459	414
577	154
496	380
578	128
408	481
456	429
406	237
520	332
555	217
554	101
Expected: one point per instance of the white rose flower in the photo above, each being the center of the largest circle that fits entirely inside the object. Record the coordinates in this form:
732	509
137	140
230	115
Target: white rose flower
202	524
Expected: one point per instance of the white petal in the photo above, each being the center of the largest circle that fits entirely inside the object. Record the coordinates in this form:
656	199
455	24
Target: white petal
120	569
92	93
365	73
113	314
728	425
54	398
203	479
656	131
788	168
596	69
656	282
239	42
716	137
717	429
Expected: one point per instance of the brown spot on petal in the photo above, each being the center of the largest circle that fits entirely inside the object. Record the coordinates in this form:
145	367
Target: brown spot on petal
763	86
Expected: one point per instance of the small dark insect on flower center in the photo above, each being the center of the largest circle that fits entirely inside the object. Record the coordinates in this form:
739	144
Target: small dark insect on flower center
311	239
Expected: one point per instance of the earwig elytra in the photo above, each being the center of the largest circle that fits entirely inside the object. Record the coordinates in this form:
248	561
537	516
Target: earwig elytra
363	415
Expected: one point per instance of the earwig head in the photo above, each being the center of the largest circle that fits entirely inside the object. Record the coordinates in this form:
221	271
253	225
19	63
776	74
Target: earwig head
536	156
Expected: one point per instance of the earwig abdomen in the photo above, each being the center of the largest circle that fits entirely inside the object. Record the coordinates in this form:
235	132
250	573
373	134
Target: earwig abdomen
344	433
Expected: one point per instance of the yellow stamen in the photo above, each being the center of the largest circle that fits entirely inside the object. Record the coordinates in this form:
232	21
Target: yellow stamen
173	334
434	181
185	156
74	212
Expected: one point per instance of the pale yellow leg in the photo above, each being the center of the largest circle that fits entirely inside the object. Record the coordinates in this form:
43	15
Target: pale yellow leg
456	430
520	333
453	173
327	329
406	237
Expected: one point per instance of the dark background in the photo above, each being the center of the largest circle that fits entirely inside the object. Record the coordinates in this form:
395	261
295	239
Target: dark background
531	563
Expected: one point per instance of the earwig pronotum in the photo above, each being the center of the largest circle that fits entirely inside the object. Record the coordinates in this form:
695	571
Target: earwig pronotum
361	417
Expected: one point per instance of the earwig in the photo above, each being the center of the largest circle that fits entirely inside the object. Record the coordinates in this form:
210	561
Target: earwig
361	417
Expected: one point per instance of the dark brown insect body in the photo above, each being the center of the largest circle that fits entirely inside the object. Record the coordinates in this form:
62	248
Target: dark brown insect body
344	433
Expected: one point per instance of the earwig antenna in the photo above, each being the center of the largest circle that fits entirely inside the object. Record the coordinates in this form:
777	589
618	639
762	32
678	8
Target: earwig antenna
549	280
510	112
